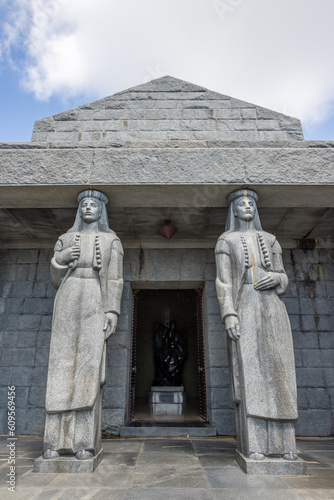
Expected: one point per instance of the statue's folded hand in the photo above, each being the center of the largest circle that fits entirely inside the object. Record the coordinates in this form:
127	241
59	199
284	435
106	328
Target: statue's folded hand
270	281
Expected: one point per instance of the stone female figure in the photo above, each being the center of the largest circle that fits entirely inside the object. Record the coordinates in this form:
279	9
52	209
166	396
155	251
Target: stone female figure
250	280
87	271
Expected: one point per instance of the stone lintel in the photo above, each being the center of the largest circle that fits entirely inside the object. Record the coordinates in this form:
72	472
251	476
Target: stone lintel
183	166
156	195
184	177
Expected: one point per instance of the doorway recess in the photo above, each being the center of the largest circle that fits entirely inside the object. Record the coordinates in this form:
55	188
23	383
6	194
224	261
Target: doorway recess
153	306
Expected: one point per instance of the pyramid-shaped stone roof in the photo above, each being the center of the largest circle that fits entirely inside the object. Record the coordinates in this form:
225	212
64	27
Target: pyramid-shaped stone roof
167	109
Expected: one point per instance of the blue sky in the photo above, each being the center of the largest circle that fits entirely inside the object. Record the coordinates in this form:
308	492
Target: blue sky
62	53
20	108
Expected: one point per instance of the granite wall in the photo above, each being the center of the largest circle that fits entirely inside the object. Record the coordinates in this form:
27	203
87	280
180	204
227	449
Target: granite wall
25	323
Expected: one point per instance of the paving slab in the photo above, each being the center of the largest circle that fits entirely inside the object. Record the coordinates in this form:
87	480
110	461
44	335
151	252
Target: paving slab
177	469
173	494
77	494
103	495
315	444
125	458
254	494
315	494
325	457
122	445
167	445
23	494
236	478
318	478
214	445
169	477
167	458
28	480
115	478
218	460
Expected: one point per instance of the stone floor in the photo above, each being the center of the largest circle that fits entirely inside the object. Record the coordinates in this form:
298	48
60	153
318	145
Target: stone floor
172	469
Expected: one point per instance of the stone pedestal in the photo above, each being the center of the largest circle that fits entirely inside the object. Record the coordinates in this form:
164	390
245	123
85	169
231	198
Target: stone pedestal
167	400
272	466
67	463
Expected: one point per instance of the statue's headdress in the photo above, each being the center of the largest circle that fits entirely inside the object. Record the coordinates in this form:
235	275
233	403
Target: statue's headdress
103	200
92	193
232	199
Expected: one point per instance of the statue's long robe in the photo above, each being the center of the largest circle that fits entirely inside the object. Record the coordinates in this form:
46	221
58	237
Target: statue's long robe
262	360
86	291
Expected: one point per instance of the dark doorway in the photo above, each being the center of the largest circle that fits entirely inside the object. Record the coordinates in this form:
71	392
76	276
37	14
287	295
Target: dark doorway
160	306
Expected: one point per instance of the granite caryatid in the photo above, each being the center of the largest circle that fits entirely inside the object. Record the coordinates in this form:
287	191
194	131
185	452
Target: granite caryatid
250	279
87	270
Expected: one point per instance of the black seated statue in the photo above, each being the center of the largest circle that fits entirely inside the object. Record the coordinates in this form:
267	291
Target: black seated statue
170	352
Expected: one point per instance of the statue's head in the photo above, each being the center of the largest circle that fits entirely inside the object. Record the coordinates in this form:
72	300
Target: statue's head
92	208
172	324
242	206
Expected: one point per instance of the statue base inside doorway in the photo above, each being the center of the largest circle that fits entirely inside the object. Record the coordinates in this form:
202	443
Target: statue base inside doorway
67	464
167	400
276	466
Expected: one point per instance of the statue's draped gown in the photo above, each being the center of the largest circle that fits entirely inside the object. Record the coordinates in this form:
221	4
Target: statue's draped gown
263	382
88	289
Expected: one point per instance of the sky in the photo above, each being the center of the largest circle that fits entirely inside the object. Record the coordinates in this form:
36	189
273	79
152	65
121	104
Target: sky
58	54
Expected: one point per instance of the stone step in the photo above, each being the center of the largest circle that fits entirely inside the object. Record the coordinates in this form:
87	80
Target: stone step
167	429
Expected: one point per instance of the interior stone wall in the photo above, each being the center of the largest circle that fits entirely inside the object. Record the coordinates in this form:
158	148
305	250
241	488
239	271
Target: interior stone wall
25	323
310	304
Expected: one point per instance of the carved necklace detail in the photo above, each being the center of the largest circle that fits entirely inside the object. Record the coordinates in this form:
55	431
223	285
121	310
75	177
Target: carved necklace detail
263	248
245	249
98	252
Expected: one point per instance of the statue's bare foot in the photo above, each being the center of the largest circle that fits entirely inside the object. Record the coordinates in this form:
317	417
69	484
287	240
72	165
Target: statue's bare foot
50	454
257	456
290	456
83	455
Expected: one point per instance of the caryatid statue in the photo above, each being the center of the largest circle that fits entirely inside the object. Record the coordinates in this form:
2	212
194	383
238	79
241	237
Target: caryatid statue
87	271
250	280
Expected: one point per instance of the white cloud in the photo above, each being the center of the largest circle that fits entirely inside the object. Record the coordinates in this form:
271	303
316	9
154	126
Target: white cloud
276	54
